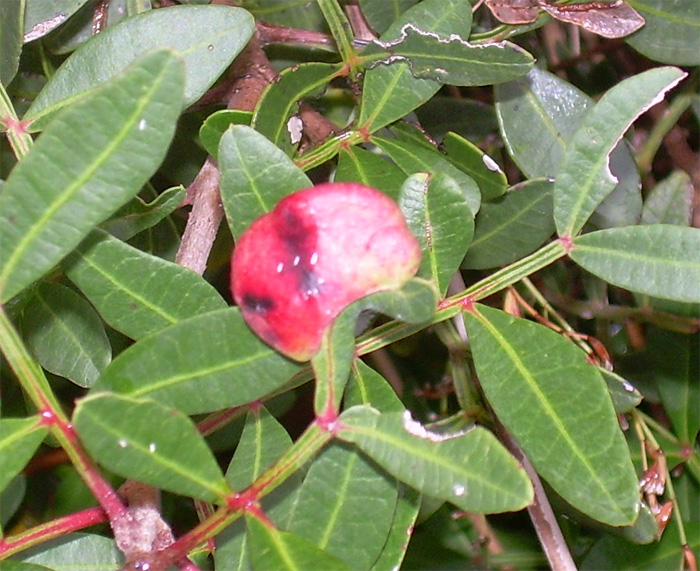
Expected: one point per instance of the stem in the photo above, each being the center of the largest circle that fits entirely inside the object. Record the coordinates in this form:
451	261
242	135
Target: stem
16	543
541	514
448	308
20	140
36	386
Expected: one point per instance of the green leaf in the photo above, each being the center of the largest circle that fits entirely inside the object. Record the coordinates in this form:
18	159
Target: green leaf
415	302
671	33
355	164
584	178
41	17
453	60
405	516
380	15
469	158
11	498
412	158
341	484
340	28
367	386
615	554
676	379
137	215
472	119
206	37
284	551
285	13
255	176
642	258
263	441
11	22
146	441
78	172
216	125
205	363
19	439
558	408
390	92
624	396
65	334
451	467
275	112
74	552
439	216
512	226
137	293
670	201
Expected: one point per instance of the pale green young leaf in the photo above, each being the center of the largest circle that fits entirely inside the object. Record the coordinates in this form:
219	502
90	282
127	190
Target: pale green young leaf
355	164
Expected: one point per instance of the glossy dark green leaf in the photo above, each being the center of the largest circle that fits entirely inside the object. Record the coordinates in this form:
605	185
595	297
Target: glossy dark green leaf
390	92
584	178
670	34
19	439
676	359
255	176
453	60
512	226
135	292
41	17
641	259
413	158
78	173
472	160
74	552
558	408
340	484
65	334
670	201
206	37
11	498
271	548
380	15
137	215
439	216
275	114
205	363
216	125
355	164
146	441
450	467
11	26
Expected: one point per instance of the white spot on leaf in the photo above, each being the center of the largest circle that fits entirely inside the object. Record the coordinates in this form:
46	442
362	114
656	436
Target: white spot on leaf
491	164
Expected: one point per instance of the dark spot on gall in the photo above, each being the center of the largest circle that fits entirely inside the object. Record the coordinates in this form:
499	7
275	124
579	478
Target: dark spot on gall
258	304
